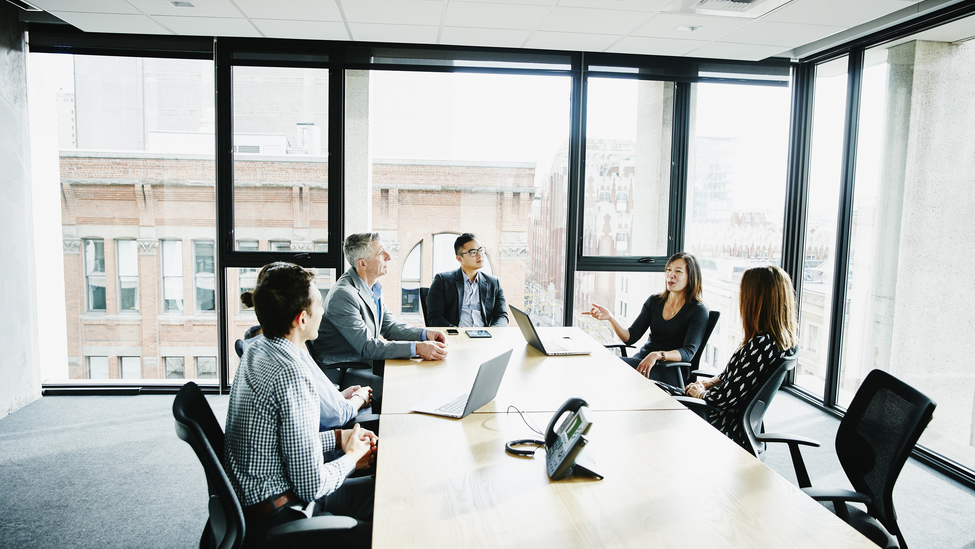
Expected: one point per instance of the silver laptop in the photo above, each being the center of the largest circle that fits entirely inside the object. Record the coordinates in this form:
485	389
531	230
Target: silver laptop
484	390
550	346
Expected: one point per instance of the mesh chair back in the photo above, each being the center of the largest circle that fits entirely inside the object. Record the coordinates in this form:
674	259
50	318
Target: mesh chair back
424	291
196	424
876	437
754	414
712	322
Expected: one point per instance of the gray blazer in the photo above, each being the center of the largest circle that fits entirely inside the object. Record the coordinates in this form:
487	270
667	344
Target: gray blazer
351	328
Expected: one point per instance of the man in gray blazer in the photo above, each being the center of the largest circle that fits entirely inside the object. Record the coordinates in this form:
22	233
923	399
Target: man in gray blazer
466	297
357	326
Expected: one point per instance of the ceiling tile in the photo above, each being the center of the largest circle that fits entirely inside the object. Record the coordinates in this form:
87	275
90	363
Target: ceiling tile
498	38
308	30
768	33
393	12
741	52
93	6
203	8
297	10
656	46
110	22
572	41
519	2
633	5
593	21
834	13
372	32
208	26
495	16
664	25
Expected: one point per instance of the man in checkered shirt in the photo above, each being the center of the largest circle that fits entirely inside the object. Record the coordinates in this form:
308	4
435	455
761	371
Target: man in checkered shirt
274	452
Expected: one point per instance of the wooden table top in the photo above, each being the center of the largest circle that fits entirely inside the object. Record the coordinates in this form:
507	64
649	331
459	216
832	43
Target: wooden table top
532	382
671	480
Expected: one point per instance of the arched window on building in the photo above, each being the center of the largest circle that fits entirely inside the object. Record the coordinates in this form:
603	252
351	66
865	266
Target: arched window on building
622	243
410	281
443	258
621	198
605	196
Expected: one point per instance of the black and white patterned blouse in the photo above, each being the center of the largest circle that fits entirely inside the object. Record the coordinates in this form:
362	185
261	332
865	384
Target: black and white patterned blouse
272	439
747	370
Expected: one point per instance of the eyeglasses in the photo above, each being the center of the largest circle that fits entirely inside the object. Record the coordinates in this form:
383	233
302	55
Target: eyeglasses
474	252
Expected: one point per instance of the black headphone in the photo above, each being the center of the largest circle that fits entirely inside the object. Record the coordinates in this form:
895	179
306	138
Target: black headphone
510	447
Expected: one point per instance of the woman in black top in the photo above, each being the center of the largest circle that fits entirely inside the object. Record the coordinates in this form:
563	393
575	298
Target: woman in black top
768	317
676	318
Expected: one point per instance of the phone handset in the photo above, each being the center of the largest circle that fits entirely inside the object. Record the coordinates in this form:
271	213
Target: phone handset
562	446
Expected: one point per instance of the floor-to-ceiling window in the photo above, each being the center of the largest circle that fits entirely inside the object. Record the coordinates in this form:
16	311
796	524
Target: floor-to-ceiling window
736	181
134	166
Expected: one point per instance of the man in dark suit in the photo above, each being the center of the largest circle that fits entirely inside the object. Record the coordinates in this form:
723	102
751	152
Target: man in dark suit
466	297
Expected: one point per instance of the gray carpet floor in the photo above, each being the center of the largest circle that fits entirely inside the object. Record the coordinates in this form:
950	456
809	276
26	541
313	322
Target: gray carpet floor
93	471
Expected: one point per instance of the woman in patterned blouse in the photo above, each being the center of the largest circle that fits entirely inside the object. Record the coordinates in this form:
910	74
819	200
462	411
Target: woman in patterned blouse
768	316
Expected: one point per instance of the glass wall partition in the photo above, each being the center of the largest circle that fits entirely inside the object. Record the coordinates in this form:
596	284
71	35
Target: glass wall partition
736	180
908	285
432	155
825	177
135	168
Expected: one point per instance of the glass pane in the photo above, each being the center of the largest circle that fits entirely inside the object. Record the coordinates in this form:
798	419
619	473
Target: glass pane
174	367
280	118
736	183
912	232
430	156
128	279
622	293
825	173
131	367
204	278
172	270
627	178
98	367
134	143
206	367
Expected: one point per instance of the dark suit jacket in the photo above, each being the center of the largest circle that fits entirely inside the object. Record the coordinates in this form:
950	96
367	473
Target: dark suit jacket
447	295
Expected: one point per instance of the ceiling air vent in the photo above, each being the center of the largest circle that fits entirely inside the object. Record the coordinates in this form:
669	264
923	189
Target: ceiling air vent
728	8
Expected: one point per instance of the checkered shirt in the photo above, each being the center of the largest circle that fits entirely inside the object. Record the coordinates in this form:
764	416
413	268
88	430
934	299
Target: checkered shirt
272	438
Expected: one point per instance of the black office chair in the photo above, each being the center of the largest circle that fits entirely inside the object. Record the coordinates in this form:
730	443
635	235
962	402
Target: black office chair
684	369
873	441
225	527
424	292
752	414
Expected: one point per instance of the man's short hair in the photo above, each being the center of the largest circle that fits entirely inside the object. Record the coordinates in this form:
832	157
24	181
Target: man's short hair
357	246
283	290
461	240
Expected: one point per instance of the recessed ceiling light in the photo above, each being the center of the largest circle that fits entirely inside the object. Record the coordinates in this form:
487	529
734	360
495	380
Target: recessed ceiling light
178	4
688	28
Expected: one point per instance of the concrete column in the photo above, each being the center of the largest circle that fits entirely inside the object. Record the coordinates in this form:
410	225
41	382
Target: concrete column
20	382
655	107
358	164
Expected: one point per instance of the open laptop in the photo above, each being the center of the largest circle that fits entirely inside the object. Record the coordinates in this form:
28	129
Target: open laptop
549	346
485	388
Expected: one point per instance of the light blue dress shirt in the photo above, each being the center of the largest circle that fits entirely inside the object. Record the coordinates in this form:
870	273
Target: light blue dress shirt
470	309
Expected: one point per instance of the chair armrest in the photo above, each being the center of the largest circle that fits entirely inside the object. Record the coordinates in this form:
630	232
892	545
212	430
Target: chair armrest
839	498
621	346
788	439
350	365
311	525
368	421
696	405
702	373
836	495
669	364
802	475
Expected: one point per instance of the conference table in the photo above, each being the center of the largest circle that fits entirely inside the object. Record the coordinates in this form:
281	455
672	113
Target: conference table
670	479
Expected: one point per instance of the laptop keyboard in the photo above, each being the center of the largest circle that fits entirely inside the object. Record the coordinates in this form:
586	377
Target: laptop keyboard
455	406
552	347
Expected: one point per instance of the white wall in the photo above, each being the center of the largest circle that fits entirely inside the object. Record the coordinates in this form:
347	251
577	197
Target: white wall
19	370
